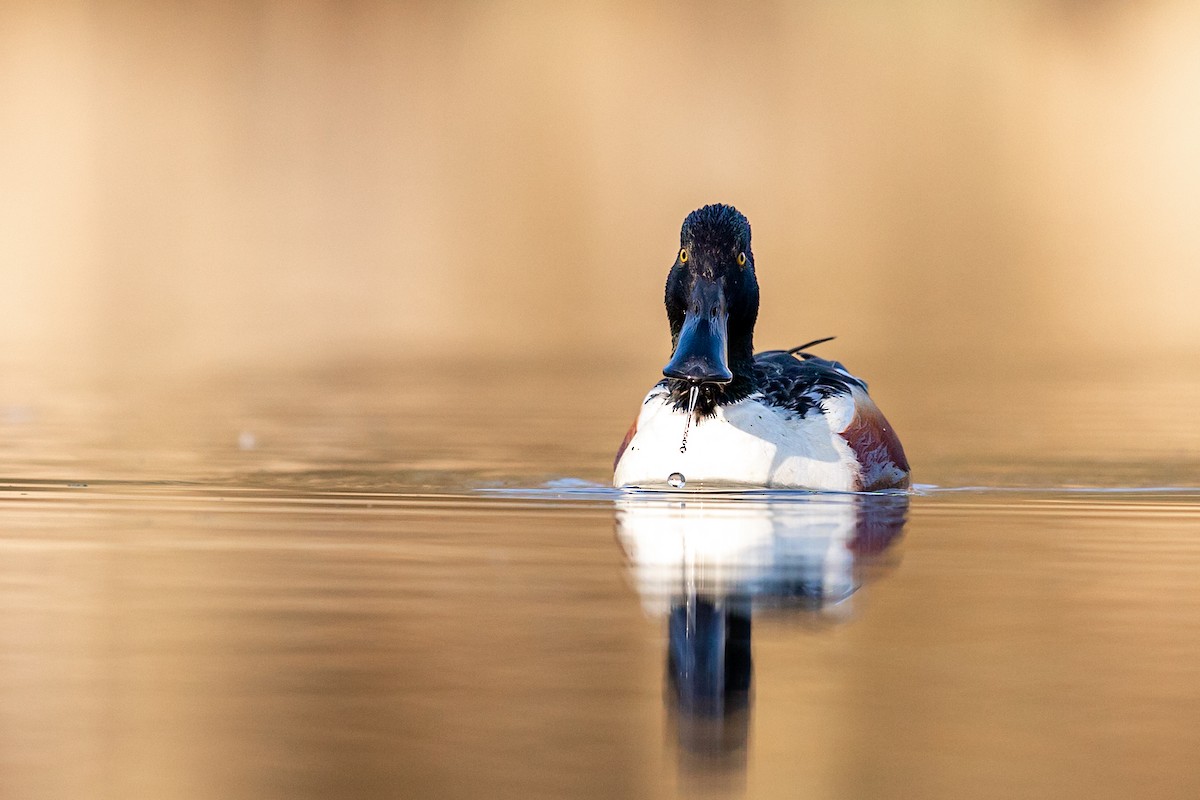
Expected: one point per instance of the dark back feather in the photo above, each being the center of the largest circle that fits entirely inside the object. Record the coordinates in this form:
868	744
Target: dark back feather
800	384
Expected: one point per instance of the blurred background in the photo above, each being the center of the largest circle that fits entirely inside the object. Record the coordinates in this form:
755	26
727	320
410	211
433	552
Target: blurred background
199	186
291	295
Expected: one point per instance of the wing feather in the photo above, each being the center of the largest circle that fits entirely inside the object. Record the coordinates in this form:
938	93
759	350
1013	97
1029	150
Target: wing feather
882	463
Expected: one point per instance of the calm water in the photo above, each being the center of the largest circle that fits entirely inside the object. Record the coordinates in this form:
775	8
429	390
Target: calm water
356	582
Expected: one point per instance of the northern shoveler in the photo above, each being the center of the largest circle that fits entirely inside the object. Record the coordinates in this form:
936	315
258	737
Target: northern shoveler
723	416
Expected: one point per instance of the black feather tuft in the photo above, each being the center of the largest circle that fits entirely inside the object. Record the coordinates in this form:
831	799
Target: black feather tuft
799	351
716	226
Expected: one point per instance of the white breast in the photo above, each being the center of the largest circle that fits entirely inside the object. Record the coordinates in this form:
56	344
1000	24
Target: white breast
747	443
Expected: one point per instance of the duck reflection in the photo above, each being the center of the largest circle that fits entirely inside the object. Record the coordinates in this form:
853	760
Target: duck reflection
710	563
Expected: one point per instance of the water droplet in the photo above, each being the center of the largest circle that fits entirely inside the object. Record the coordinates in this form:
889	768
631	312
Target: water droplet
693	396
676	480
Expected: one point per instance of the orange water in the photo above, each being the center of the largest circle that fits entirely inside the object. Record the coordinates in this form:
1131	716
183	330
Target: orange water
346	582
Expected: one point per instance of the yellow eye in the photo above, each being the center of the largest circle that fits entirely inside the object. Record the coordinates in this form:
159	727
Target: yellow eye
741	259
683	256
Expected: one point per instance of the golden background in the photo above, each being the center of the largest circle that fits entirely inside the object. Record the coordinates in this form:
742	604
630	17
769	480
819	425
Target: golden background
217	586
188	187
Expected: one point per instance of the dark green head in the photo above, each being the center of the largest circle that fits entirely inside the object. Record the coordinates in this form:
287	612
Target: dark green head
712	304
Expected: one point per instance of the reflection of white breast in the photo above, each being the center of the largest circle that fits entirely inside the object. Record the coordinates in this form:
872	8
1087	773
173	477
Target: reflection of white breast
747	443
758	549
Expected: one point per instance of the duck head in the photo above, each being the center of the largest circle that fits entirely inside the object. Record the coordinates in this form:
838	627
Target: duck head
712	304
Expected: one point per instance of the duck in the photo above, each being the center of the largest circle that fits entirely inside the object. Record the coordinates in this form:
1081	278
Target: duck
726	417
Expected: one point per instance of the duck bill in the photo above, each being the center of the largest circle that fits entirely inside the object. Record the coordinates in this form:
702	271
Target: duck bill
702	351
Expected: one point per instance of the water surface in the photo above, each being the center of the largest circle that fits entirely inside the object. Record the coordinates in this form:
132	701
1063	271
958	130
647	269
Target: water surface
345	582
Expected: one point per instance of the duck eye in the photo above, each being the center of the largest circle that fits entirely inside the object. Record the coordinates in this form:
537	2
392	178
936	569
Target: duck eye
741	259
683	255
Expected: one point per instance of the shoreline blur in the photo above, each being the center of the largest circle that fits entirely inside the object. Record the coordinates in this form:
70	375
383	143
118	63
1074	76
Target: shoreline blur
296	183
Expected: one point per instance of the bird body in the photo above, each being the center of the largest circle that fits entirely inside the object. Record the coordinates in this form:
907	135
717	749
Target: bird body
723	417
